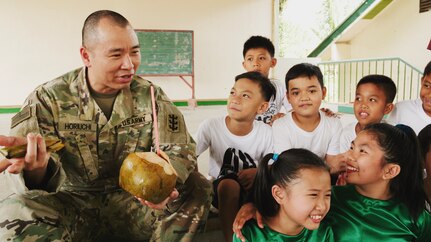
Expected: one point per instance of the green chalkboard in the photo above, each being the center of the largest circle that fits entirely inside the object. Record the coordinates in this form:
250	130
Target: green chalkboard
166	52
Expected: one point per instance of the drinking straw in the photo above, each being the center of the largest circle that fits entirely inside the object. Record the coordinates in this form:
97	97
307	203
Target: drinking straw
155	123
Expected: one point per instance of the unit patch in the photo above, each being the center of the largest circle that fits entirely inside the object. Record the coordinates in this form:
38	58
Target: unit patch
173	124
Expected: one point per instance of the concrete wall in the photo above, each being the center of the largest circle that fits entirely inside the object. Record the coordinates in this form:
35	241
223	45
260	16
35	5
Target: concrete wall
41	39
398	31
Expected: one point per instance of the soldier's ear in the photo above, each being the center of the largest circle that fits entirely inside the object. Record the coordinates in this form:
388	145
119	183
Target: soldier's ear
85	56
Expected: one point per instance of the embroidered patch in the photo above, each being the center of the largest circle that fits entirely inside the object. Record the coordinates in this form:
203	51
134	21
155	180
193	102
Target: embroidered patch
77	126
146	118
173	123
24	114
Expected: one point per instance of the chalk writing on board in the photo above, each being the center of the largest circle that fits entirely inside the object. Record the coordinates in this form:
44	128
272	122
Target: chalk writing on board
165	52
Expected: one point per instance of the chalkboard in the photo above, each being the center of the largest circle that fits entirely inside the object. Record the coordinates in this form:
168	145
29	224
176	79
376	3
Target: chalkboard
166	52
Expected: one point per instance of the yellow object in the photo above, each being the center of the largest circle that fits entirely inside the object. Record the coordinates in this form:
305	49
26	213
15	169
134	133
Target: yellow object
148	176
19	151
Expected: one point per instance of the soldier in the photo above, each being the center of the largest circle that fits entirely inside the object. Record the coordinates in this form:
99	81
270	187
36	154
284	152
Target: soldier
101	112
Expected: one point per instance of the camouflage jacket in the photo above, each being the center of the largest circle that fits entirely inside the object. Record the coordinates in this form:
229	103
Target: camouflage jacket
94	146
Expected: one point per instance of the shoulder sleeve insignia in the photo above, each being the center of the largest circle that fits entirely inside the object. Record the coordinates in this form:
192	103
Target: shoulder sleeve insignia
173	123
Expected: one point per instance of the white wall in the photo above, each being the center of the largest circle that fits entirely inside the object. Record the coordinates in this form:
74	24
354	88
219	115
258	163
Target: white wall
398	31
41	39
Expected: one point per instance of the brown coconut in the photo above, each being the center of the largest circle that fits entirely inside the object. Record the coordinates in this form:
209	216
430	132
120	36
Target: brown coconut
148	176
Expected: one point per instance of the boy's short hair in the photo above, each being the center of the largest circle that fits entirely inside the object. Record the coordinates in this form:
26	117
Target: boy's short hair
258	41
266	88
427	69
384	83
304	70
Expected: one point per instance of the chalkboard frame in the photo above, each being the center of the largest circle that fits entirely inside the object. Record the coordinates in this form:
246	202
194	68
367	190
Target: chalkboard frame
180	75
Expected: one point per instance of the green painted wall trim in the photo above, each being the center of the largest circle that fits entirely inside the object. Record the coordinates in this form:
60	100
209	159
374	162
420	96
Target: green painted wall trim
377	9
9	110
343	26
345	109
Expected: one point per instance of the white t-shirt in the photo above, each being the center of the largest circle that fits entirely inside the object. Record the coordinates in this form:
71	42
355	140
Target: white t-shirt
324	139
348	134
239	151
411	113
276	104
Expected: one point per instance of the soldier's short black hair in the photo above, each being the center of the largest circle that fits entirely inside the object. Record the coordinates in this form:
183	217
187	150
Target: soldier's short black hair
258	41
91	22
384	83
266	88
303	70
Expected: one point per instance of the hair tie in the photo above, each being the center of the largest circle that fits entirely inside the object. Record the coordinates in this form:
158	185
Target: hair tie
275	157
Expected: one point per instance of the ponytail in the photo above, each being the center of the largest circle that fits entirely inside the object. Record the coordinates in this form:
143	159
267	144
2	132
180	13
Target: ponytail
263	182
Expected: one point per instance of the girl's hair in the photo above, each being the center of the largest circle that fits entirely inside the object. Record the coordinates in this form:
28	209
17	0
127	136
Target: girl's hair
424	137
284	169
400	145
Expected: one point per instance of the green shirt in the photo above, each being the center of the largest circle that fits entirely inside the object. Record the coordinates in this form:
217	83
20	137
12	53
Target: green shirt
354	217
252	232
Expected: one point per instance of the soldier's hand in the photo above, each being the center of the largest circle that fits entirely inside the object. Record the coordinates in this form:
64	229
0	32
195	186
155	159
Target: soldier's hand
245	213
174	194
246	177
35	160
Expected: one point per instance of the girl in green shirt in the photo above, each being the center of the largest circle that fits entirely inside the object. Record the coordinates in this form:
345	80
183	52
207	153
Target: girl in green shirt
386	198
293	196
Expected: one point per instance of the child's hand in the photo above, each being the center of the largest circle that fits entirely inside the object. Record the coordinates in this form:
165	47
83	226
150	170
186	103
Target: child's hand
328	112
245	213
246	177
275	117
336	163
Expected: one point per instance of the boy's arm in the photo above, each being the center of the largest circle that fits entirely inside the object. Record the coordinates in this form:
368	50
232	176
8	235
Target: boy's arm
203	140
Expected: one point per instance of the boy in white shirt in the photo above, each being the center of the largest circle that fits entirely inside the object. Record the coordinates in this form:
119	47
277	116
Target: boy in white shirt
237	143
415	113
306	126
373	100
258	53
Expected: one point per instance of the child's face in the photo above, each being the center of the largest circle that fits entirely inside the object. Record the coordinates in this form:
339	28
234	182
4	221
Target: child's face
306	200
370	104
245	101
305	95
259	60
425	94
365	160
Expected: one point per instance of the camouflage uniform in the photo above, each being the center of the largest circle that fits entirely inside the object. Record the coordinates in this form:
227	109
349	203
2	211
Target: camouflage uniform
82	200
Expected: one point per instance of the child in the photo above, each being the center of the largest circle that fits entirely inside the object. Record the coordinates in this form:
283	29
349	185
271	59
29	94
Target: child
307	127
374	97
415	113
386	198
258	53
293	196
237	142
424	138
